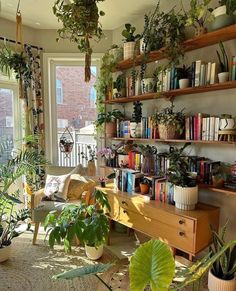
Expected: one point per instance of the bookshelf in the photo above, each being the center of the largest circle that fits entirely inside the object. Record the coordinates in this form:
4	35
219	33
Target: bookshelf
210	38
173	93
175	141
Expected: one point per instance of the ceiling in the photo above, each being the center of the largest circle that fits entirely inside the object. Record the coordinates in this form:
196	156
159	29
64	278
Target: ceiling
38	13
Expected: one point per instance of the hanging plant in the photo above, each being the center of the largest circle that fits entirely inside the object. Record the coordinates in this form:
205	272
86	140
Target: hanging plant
66	142
80	21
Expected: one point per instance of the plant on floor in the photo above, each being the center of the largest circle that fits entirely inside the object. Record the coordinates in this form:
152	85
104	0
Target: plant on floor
11	222
86	222
80	20
152	264
198	15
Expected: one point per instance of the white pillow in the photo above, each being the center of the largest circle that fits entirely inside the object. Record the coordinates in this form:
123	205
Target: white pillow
56	187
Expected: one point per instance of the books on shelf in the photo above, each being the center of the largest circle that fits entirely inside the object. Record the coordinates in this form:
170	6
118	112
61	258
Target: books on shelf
202	127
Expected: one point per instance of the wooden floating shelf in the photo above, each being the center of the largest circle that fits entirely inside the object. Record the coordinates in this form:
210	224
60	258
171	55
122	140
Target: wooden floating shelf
175	141
172	93
210	38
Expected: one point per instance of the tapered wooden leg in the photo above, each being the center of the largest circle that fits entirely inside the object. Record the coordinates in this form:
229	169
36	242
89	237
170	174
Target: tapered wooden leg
109	234
36	230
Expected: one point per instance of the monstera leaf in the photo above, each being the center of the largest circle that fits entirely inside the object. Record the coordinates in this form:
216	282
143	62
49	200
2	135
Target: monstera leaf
153	264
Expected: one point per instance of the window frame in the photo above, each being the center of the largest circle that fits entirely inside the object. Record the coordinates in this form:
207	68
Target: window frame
50	62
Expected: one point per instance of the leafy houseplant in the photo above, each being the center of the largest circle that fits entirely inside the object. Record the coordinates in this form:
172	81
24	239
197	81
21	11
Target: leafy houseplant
185	188
184	75
10	222
80	19
144	186
224	64
109	119
130	40
117	52
198	15
170	123
119	86
87	222
135	124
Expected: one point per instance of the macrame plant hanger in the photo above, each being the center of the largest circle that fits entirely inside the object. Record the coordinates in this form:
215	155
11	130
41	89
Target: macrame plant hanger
66	142
19	47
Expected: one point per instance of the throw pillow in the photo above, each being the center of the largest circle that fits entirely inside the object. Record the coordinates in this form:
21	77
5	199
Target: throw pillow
79	184
56	187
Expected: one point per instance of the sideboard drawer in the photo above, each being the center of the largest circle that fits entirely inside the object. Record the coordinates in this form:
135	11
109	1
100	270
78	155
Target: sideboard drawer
175	236
136	204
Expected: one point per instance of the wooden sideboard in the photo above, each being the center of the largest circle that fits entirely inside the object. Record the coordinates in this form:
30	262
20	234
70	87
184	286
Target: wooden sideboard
188	231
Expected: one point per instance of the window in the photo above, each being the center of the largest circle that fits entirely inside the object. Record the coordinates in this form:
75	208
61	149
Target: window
9	121
62	123
59	91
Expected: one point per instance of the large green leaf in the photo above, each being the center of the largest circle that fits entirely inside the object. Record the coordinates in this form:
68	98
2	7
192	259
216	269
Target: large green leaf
153	264
83	271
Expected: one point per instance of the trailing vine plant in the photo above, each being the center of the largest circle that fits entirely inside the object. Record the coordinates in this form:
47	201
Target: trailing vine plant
80	20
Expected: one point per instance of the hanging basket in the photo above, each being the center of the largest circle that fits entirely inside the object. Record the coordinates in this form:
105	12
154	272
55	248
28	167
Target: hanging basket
66	142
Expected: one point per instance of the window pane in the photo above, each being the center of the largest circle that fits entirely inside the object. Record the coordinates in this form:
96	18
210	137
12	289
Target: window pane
6	124
77	110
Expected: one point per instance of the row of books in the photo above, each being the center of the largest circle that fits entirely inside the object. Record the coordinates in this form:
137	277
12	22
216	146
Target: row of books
202	127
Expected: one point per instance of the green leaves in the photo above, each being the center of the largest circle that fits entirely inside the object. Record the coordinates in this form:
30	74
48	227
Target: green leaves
84	271
128	33
153	264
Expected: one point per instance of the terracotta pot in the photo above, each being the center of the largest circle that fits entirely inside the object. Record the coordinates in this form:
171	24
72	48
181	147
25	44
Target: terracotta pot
185	197
110	129
94	253
144	188
217	284
5	253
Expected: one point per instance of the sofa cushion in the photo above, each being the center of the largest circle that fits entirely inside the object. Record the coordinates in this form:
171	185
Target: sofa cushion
56	187
78	184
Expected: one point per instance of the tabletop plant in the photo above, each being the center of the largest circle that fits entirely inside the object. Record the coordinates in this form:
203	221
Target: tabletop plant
129	33
108	117
223	58
80	20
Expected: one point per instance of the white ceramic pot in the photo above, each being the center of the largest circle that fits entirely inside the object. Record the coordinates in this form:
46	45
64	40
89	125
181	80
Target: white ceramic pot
5	253
185	197
129	48
216	284
223	77
147	85
94	253
135	129
227	123
183	83
219	11
143	47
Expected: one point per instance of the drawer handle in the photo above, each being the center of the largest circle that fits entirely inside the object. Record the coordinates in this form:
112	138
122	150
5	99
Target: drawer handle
124	203
181	233
181	221
125	211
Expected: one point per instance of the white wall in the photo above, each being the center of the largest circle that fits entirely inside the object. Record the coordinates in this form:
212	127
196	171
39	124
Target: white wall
218	102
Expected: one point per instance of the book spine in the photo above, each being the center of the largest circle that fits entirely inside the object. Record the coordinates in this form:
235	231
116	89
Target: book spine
213	74
197	73
187	129
212	128
208	74
193	74
233	68
217	125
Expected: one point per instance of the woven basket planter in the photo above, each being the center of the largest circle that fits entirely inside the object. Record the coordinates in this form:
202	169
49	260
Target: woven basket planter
167	131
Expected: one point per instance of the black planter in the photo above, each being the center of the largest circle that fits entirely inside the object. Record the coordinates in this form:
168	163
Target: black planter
103	184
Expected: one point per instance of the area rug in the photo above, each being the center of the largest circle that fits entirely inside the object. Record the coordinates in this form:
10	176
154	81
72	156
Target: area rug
31	268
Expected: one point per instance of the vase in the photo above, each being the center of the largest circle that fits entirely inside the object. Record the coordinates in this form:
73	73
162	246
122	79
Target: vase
223	77
147	85
185	197
110	129
135	129
94	253
129	48
91	169
217	284
183	83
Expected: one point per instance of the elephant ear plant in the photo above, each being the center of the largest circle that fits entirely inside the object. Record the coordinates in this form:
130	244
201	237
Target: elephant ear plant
80	20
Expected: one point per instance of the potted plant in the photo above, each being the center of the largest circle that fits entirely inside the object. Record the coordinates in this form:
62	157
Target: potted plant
89	223
144	186
135	124
10	226
66	145
117	52
184	75
198	15
109	153
129	41
148	163
170	123
223	15
221	276
109	119
119	87
90	156
147	85
103	181
223	76
185	187
80	20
